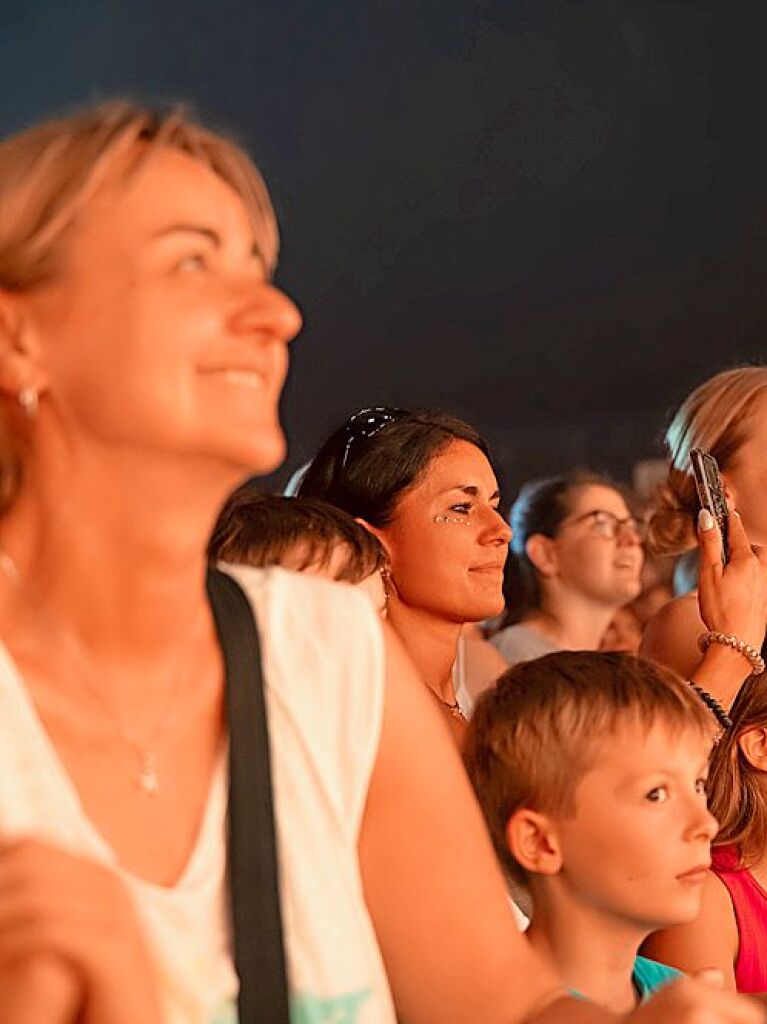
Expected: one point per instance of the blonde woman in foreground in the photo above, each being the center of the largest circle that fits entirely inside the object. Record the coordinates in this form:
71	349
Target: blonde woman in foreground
142	353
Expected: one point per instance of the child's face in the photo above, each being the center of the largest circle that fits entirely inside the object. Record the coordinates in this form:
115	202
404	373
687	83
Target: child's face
638	847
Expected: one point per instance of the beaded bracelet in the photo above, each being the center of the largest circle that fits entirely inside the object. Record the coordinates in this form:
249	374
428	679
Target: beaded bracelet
713	705
750	653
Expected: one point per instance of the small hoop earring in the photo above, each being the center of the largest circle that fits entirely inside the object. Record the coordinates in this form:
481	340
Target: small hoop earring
29	401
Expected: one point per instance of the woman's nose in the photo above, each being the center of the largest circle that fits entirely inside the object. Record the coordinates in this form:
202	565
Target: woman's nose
497	530
268	310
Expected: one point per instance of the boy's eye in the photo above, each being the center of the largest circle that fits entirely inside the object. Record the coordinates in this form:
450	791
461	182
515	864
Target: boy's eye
658	795
192	262
464	508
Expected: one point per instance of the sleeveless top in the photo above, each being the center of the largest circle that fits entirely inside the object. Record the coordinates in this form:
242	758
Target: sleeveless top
749	902
323	662
520	643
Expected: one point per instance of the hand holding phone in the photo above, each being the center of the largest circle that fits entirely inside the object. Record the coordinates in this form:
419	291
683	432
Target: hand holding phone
711	493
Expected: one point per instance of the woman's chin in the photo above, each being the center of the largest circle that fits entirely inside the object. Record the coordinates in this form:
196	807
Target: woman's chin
265	454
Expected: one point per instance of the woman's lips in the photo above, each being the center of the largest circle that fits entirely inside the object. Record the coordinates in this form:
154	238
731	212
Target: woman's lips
242	376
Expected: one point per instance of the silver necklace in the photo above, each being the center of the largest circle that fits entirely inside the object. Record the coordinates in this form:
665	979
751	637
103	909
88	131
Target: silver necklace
146	778
453	708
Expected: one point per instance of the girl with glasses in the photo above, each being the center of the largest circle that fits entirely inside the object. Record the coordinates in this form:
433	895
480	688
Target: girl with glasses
576	559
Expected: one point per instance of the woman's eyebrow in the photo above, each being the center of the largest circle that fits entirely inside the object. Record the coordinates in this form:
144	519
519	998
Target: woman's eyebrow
192	229
210	233
472	491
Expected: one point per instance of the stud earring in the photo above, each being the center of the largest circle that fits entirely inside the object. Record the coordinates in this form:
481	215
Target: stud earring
29	401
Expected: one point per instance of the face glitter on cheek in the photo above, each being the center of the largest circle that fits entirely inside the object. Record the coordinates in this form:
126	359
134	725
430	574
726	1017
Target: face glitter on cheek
442	518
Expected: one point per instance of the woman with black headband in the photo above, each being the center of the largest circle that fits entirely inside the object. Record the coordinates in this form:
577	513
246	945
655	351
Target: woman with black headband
424	484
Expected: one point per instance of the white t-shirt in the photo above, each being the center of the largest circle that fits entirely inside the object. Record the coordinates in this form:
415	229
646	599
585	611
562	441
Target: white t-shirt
324	669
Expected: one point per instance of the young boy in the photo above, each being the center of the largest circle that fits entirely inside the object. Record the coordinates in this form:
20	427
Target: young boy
302	534
590	769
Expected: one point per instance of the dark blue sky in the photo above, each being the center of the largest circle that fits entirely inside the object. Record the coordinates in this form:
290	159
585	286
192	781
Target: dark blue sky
550	217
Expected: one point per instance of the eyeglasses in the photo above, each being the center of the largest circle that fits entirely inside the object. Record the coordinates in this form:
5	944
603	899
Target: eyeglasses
366	423
607	524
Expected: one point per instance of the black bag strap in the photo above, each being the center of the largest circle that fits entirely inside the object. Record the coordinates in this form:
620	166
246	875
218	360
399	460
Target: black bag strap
259	955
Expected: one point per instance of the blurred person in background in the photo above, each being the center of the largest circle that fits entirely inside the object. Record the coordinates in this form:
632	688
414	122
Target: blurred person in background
576	558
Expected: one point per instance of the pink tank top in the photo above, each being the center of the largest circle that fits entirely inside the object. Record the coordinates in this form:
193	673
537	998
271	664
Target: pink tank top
749	900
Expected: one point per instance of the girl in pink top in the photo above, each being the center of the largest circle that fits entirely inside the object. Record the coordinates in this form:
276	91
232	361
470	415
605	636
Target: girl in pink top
749	903
730	933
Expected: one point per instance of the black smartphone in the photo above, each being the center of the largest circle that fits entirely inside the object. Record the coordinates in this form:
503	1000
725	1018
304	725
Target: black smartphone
711	493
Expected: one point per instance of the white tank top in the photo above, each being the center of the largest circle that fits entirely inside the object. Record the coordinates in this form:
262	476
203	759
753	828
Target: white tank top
323	664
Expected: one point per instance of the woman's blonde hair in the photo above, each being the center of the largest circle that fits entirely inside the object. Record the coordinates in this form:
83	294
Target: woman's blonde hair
737	791
715	417
49	173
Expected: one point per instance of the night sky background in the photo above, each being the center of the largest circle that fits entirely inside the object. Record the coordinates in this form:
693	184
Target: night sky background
548	217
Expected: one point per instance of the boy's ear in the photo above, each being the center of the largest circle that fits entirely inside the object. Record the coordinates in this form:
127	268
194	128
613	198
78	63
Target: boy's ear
534	842
543	554
19	367
753	743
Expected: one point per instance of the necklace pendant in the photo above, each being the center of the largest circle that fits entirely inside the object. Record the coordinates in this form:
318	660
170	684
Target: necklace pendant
147	780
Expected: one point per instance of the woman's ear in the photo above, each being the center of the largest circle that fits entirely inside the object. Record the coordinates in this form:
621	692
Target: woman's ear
729	491
542	553
533	841
376	531
19	368
753	744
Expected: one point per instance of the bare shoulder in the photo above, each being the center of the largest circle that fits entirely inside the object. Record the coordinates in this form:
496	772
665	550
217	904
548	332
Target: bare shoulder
671	635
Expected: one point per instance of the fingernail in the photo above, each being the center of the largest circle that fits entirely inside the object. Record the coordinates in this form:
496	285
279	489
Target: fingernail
705	520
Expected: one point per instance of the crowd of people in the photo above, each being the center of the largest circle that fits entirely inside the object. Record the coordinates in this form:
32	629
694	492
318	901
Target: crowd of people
481	803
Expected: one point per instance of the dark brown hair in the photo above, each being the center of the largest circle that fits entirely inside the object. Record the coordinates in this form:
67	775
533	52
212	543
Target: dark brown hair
737	791
378	454
541	507
534	735
261	529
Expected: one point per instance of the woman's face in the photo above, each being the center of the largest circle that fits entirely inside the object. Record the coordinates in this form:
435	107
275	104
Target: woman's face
161	333
597	550
746	477
447	542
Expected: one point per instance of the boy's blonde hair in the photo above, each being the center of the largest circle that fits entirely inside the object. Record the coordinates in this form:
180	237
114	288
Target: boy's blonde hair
534	736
